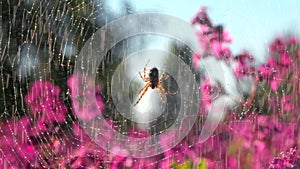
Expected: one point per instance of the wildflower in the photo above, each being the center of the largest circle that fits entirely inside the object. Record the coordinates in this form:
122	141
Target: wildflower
202	18
206	89
289	159
16	146
45	104
196	58
87	102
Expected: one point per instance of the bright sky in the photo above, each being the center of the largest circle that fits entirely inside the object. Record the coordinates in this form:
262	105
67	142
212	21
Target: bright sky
252	24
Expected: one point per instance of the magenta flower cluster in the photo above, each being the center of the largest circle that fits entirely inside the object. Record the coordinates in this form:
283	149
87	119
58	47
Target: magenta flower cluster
289	159
45	105
86	101
267	122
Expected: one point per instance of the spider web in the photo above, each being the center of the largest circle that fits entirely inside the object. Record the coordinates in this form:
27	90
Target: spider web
40	41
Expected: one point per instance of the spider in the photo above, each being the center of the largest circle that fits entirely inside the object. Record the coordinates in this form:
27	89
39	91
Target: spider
154	82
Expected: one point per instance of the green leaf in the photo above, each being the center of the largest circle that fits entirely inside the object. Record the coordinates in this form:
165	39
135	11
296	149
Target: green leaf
185	165
203	164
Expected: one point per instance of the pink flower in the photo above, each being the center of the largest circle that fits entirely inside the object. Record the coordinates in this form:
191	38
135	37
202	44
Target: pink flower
271	72
44	102
286	102
259	138
41	89
217	48
75	149
147	163
272	62
196	58
264	71
277	46
241	70
205	90
87	102
292	40
226	37
39	127
15	144
218	34
285	59
203	40
289	159
211	38
275	82
244	57
165	163
128	162
243	67
201	18
220	51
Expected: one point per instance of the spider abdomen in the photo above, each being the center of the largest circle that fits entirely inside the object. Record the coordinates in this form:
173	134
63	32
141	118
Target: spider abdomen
153	75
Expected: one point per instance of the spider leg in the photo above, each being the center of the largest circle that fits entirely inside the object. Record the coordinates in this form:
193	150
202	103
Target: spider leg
163	74
144	92
166	77
165	91
145	68
160	94
144	78
143	88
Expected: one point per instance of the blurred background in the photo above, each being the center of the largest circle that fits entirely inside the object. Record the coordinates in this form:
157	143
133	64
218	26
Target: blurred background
252	25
